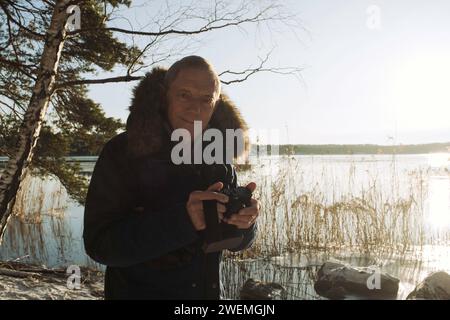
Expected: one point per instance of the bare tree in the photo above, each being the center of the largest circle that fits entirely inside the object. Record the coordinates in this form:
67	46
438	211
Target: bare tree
42	63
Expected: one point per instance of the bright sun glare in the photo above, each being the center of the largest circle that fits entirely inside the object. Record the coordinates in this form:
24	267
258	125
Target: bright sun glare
439	203
421	92
420	96
439	192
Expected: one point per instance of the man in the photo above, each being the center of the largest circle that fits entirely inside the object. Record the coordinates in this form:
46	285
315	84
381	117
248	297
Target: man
144	216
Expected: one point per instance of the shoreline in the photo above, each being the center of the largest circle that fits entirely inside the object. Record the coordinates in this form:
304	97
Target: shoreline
19	281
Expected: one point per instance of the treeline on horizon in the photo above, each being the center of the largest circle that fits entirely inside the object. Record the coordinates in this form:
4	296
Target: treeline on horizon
331	149
348	149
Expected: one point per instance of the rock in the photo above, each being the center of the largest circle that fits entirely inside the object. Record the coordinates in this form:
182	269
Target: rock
434	287
338	281
258	290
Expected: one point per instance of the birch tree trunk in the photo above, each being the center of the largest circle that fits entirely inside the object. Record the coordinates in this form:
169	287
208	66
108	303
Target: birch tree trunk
22	155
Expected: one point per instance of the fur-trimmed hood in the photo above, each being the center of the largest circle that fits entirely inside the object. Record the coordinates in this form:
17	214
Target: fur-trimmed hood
147	126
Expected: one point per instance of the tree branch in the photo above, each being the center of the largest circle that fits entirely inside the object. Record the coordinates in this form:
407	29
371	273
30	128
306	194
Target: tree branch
126	78
203	29
18	65
11	18
251	71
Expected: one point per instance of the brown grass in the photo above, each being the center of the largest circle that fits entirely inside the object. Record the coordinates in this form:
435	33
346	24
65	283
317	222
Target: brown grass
367	219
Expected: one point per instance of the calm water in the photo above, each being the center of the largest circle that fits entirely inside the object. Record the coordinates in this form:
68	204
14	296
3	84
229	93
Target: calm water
48	226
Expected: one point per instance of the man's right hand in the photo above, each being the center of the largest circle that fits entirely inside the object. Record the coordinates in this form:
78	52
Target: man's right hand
194	206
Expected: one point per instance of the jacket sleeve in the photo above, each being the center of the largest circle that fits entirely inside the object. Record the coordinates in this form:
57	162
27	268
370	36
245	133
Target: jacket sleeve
250	233
116	236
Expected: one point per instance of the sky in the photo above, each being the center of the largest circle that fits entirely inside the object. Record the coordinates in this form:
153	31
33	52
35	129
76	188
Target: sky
371	71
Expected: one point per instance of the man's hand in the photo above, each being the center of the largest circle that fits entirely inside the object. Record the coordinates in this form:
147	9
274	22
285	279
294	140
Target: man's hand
246	216
194	206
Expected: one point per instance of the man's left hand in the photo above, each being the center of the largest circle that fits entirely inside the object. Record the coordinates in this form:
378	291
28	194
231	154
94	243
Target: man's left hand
246	217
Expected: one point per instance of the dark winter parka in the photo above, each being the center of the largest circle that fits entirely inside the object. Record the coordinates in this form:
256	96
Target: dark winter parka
135	219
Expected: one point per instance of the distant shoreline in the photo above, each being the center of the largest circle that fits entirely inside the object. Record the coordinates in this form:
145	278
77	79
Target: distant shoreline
339	149
351	149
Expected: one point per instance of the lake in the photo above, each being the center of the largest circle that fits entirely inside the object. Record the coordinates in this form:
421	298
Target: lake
390	211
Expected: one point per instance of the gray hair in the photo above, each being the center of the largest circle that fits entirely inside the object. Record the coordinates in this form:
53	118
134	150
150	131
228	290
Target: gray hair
196	62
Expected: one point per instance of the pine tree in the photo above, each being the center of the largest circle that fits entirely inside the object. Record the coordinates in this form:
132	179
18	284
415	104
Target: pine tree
44	64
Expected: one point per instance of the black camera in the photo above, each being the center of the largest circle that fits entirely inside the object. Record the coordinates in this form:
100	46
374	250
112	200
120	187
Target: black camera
239	198
220	235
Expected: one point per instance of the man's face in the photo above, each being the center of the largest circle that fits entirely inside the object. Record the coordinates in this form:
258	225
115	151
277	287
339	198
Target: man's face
191	98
